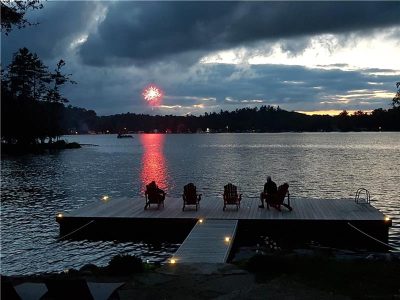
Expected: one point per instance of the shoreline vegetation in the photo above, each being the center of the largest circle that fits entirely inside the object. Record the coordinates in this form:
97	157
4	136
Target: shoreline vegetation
18	149
292	275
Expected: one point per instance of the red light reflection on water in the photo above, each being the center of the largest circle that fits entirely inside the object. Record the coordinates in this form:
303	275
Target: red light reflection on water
153	161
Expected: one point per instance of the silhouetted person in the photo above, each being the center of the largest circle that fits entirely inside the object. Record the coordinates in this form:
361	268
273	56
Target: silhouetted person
155	190
269	189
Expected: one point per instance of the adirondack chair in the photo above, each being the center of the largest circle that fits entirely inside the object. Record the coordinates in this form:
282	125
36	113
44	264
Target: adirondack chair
278	199
231	196
190	196
154	195
79	288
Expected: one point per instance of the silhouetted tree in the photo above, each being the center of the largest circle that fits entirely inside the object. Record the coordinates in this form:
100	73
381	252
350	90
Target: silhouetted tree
396	99
58	79
13	13
264	119
27	76
32	105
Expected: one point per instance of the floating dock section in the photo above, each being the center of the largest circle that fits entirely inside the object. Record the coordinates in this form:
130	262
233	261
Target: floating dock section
337	222
210	241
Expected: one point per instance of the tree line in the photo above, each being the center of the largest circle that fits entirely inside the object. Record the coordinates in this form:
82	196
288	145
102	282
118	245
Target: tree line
262	119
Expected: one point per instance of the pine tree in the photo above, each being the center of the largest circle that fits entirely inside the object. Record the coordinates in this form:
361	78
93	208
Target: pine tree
396	99
59	79
27	76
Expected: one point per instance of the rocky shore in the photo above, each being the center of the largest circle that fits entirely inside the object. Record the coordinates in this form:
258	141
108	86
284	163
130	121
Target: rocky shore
268	276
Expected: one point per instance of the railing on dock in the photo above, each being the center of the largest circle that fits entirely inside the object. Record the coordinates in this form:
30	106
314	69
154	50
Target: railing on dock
360	192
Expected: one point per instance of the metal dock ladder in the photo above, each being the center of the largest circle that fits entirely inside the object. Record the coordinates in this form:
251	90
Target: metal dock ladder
210	241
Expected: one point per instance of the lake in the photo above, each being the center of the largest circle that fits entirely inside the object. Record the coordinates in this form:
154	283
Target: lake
35	187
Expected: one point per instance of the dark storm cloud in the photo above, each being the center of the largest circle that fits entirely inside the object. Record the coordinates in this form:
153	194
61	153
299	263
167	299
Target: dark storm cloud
142	32
59	24
169	33
291	87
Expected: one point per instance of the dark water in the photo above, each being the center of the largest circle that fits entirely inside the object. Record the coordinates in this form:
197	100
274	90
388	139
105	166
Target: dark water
35	188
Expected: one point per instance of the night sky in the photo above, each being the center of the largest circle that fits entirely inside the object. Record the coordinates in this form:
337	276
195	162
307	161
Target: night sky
208	56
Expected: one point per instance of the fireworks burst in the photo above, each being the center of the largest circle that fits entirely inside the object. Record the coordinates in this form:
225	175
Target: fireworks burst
152	94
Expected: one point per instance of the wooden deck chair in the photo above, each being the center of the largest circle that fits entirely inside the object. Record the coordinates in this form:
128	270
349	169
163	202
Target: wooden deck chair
190	196
30	290
64	289
154	195
7	289
79	289
278	199
231	196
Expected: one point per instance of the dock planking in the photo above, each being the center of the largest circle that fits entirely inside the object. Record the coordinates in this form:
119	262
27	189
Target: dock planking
211	208
209	241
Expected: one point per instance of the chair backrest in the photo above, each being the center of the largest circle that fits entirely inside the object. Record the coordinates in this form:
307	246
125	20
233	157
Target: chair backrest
151	187
68	289
281	193
230	191
190	190
152	191
190	193
7	290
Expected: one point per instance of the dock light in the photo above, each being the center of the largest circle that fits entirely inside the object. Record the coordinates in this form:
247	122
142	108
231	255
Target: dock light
387	218
60	215
201	220
105	198
172	261
227	239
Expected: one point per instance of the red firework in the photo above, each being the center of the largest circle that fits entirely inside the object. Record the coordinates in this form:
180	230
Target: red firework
153	94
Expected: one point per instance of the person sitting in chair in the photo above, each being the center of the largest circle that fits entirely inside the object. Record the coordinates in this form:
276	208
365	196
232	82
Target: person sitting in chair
155	191
269	188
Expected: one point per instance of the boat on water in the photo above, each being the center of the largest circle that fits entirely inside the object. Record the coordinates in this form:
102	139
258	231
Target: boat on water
121	136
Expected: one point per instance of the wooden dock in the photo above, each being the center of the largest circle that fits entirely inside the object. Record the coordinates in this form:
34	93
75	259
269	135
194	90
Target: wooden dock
211	208
323	220
209	241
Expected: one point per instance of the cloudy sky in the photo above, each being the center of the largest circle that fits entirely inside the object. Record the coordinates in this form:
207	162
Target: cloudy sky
207	56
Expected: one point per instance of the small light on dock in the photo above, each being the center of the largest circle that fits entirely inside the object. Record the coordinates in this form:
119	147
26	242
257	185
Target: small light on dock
60	215
105	198
227	239
172	261
201	220
387	218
